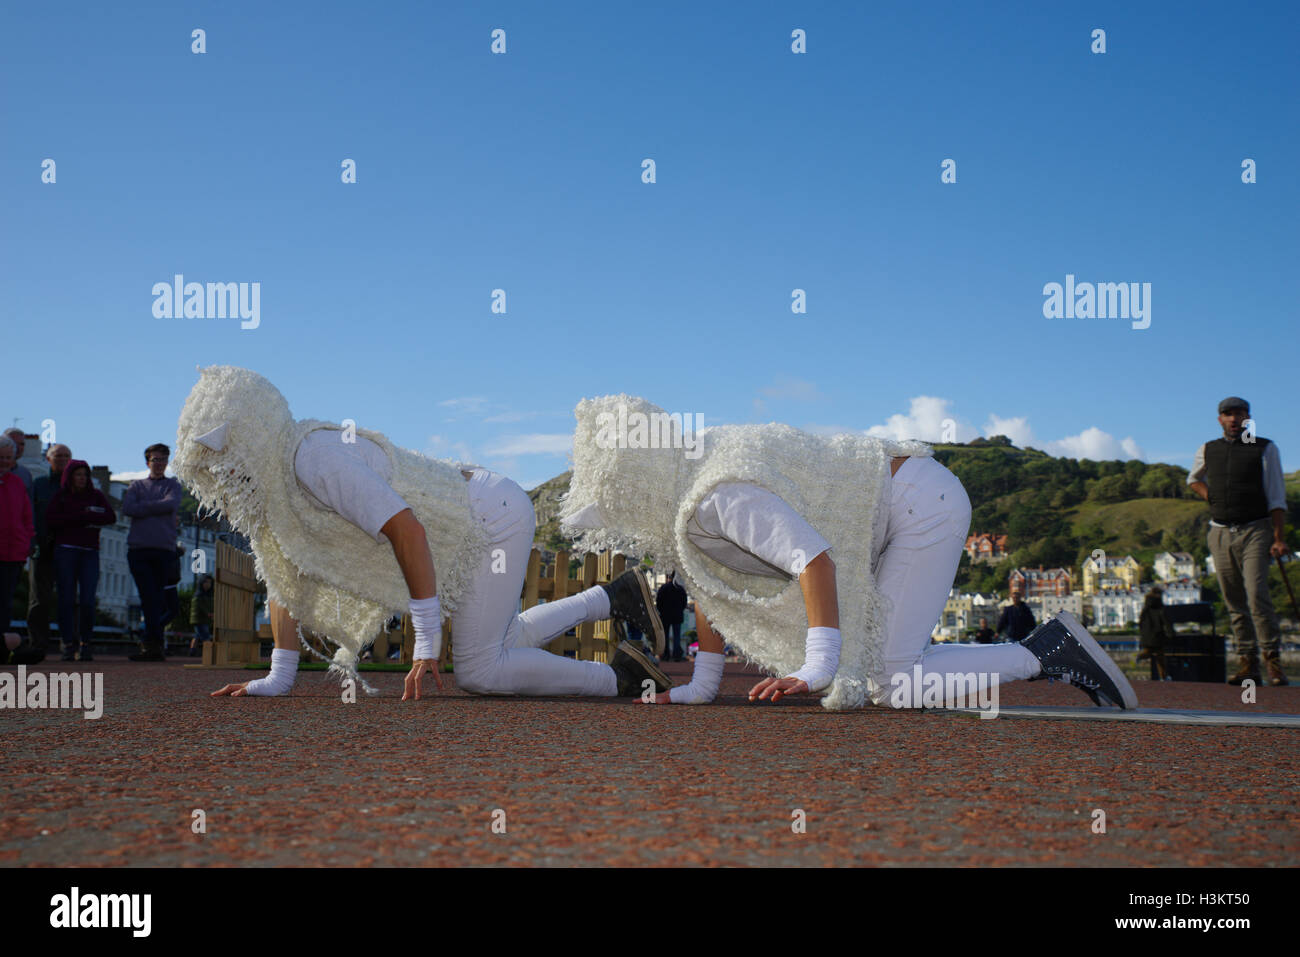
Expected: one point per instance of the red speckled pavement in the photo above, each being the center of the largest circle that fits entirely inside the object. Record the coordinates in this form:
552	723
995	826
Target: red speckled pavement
310	780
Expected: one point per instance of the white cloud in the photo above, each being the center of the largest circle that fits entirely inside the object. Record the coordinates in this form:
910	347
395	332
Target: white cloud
512	416
470	403
1016	429
927	414
786	387
1093	443
443	448
535	444
789	389
925	420
132	476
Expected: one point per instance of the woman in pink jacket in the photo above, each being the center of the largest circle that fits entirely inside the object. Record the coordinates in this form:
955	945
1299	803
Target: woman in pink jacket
74	516
16	532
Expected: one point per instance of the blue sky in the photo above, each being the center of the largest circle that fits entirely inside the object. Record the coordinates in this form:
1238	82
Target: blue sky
775	171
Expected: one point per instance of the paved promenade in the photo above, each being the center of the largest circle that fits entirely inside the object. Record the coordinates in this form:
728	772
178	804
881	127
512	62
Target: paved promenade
309	780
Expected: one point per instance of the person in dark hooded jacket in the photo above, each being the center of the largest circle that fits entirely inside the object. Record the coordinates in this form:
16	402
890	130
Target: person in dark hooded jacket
74	518
1154	626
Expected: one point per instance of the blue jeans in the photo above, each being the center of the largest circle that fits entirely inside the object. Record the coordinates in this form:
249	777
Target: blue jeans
673	640
150	567
76	568
9	572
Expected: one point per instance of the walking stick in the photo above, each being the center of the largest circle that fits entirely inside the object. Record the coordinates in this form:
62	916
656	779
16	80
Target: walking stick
1282	568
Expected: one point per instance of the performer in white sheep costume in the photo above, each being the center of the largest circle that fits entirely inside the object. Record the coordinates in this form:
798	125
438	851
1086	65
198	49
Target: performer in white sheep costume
322	506
751	517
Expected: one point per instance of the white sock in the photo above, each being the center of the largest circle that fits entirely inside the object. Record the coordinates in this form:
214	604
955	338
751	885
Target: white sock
284	669
704	680
426	616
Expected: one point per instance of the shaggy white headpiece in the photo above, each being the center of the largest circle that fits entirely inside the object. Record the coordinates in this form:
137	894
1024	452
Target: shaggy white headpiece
636	488
252	420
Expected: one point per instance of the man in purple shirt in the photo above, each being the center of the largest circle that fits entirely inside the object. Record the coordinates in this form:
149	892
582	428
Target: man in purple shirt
154	504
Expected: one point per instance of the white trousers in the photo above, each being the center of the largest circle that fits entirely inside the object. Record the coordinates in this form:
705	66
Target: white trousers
496	649
929	519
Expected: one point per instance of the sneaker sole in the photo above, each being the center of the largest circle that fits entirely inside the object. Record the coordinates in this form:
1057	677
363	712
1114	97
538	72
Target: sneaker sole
652	611
1098	654
639	656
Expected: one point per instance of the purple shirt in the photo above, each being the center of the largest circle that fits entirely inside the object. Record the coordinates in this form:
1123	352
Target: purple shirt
153	505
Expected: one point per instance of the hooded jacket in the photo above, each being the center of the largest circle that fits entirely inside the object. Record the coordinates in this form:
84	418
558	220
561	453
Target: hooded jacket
646	497
75	519
235	448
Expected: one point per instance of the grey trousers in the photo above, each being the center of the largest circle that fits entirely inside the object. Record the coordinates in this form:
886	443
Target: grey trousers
1241	561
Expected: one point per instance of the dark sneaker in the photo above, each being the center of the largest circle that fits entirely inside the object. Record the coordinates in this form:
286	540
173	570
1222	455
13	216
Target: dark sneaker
630	600
27	655
632	666
148	655
1066	651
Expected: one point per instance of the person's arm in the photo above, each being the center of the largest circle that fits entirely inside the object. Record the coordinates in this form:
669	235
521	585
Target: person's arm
821	644
707	675
1275	492
136	506
411	549
29	526
1196	477
765	525
101	512
130	501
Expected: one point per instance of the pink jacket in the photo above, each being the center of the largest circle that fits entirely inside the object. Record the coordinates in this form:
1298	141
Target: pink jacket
16	526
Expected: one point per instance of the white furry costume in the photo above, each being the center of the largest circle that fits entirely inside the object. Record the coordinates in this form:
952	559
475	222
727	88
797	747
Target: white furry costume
648	495
328	573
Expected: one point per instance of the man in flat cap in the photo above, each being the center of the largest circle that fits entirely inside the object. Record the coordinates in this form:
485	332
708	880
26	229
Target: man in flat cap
1240	475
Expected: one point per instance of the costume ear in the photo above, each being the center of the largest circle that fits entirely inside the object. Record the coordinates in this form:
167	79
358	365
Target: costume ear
216	439
587	517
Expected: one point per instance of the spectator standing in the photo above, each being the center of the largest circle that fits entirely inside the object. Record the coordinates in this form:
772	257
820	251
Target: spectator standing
1016	620
201	610
1240	475
154	503
74	517
20	444
670	600
1156	632
41	572
17	533
985	634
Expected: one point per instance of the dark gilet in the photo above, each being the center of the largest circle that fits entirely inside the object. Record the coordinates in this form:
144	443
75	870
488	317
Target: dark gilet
1234	474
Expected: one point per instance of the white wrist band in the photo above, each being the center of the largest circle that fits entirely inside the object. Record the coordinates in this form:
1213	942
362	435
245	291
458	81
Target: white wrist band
821	658
284	669
426	617
704	681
